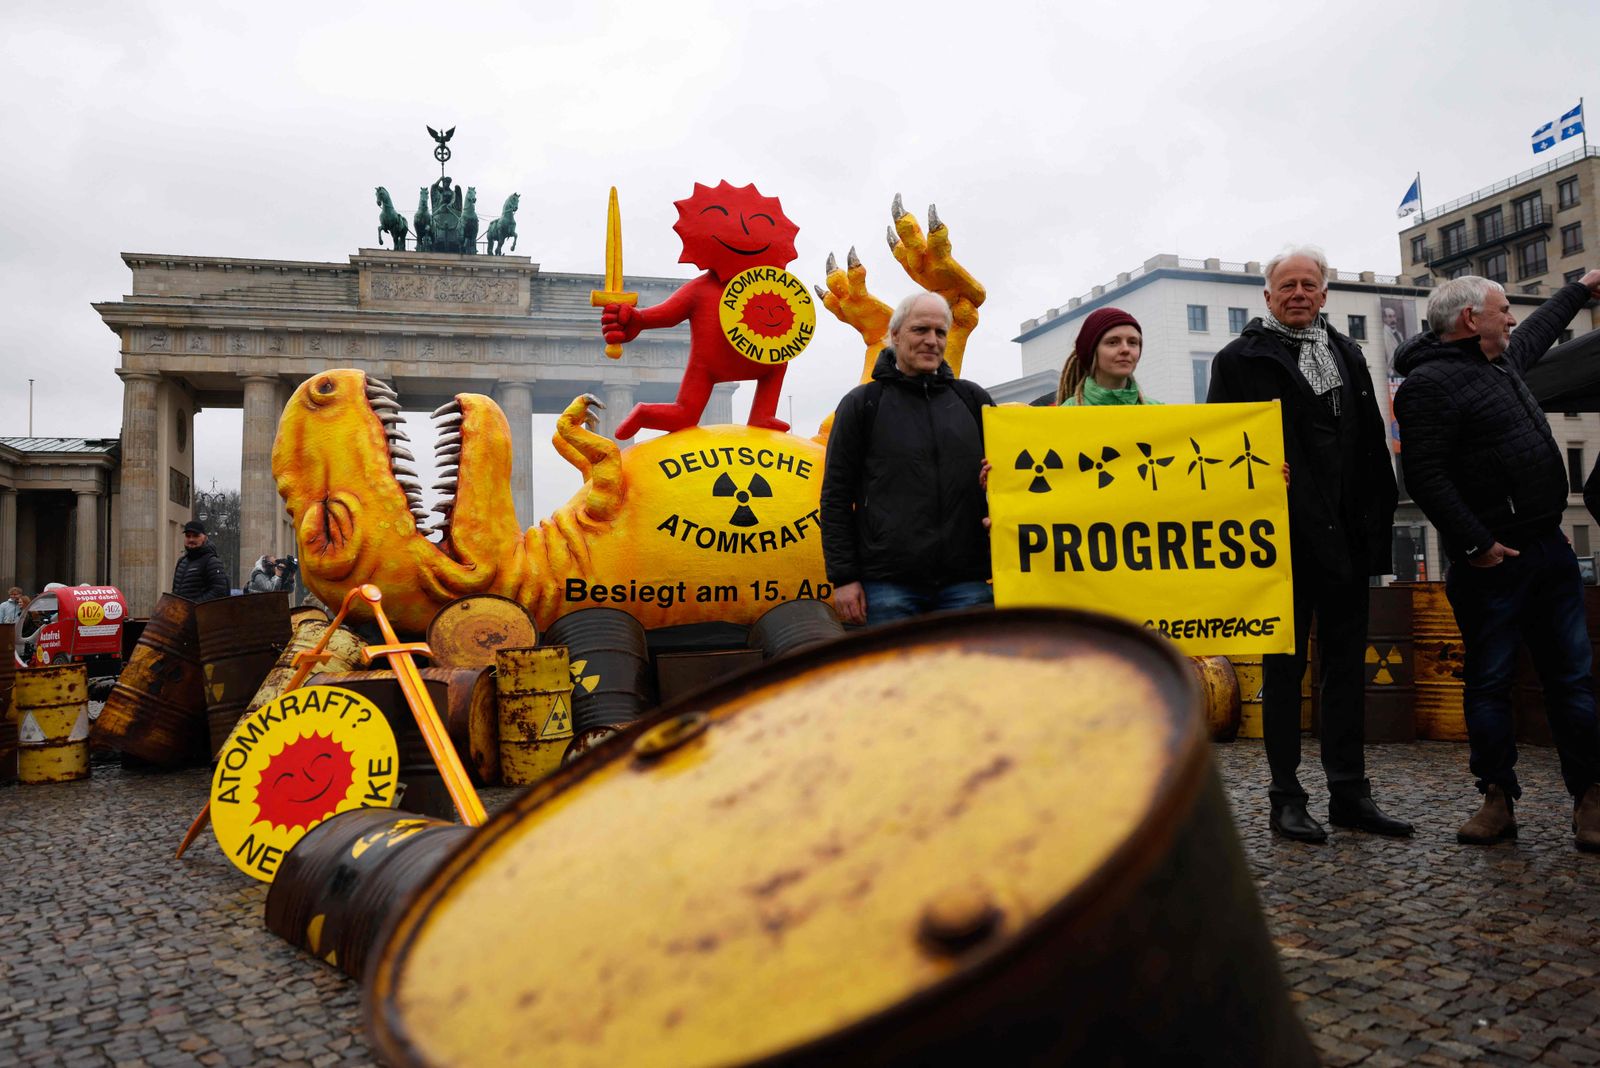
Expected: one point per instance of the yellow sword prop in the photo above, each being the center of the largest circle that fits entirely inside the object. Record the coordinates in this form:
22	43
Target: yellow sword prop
612	293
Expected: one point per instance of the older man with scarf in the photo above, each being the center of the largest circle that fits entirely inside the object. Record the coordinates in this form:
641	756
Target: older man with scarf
1341	504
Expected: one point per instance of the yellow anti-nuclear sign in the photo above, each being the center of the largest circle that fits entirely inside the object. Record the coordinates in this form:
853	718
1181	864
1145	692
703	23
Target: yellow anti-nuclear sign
1171	516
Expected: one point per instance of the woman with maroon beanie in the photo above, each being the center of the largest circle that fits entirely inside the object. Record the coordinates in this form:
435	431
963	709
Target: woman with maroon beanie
1100	369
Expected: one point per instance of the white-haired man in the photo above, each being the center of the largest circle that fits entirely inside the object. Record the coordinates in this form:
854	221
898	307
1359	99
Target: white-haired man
1341	506
902	510
1482	464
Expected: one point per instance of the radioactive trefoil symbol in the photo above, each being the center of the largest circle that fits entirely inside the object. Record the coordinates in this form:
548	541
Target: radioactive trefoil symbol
1050	462
1151	463
1384	661
725	486
1248	458
1087	462
588	682
1199	462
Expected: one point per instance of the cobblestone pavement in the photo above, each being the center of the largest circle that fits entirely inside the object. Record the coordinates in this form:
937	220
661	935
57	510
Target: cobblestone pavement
1399	952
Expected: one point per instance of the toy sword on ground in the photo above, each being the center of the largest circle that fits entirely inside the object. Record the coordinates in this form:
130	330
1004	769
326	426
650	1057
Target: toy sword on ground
440	747
612	293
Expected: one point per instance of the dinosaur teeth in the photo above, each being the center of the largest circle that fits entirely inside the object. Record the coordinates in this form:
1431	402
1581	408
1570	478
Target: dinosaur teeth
400	453
445	484
452	437
382	404
408	483
445	506
397	433
378	385
446	408
447	452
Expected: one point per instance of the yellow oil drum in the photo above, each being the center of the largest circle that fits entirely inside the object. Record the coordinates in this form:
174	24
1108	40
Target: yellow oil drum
1436	665
1219	696
53	732
533	688
310	624
1248	671
467	631
958	840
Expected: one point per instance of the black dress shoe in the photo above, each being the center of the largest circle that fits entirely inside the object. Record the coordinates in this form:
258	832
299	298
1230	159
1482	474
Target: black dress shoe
1361	814
1294	822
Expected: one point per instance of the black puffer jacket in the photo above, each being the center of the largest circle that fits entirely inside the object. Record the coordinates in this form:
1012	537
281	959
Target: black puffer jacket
200	575
1479	457
1339	519
900	494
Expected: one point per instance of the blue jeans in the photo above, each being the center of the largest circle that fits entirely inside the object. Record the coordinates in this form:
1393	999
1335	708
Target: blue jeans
1536	598
889	601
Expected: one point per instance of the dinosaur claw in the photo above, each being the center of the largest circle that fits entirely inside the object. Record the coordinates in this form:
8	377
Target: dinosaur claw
933	219
820	294
833	264
594	401
894	239
897	209
852	259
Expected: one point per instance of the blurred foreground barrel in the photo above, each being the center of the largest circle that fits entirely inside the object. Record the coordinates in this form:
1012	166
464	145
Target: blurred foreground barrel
343	651
611	679
464	701
1391	692
795	625
240	639
1436	664
53	727
1248	671
533	689
340	883
929	875
1219	696
157	712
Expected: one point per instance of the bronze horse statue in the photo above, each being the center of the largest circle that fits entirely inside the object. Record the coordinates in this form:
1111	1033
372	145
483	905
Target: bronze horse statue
390	222
423	221
469	223
505	226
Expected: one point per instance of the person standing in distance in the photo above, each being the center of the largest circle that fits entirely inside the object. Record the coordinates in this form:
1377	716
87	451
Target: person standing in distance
902	509
1341	505
1482	464
199	574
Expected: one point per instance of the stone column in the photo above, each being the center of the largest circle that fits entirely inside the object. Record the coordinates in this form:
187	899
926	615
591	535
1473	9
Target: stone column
618	397
516	400
8	539
141	495
258	494
87	558
719	409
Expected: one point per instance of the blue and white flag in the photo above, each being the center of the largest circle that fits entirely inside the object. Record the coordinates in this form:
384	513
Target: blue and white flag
1412	200
1568	125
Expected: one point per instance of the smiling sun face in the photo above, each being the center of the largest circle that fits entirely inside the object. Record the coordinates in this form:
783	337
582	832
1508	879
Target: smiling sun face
768	314
305	783
729	229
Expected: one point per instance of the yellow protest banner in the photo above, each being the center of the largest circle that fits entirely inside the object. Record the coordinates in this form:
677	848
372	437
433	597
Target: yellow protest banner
1172	516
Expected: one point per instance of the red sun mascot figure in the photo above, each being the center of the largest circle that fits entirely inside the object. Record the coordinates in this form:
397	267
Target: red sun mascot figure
725	230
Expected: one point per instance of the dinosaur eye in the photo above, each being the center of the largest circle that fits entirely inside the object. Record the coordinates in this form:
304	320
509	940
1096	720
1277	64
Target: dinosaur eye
326	386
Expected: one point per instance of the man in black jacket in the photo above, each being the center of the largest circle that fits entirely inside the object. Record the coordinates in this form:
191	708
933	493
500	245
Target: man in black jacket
199	574
1482	464
902	510
1341	504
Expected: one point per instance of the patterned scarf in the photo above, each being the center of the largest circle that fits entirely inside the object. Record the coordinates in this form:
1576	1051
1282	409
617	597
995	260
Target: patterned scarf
1317	364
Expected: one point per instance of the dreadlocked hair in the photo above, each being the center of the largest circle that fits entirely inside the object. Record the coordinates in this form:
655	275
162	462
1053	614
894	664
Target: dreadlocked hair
1072	375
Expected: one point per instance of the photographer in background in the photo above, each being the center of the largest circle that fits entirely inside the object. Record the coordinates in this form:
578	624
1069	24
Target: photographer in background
264	576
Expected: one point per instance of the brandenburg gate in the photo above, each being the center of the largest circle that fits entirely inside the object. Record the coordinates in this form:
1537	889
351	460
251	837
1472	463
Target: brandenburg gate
199	331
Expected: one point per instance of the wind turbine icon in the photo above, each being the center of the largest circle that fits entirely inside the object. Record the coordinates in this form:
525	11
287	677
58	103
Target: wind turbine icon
1247	458
1200	462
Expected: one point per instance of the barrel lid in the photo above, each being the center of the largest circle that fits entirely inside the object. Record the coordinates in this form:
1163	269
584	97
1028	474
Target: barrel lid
810	845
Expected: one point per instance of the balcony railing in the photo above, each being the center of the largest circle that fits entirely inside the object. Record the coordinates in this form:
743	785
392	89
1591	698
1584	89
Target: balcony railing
1521	224
1461	202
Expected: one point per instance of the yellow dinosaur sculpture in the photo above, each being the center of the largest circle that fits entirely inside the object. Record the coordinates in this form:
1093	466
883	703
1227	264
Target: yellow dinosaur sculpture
703	524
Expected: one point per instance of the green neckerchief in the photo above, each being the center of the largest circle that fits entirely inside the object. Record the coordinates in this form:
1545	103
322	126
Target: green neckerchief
1094	394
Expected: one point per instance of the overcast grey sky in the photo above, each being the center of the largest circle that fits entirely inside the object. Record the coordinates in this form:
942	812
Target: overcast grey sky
1062	144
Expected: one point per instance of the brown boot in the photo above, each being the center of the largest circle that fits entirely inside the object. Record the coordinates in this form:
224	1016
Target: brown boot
1586	820
1493	821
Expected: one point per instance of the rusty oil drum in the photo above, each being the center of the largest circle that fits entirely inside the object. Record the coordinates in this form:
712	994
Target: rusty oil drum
794	625
465	702
533	690
310	624
53	723
467	631
1390	689
240	641
157	712
612	684
1436	664
929	872
1219	696
340	883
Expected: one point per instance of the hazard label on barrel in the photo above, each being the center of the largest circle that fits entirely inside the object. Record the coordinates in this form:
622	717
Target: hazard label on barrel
559	722
29	733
